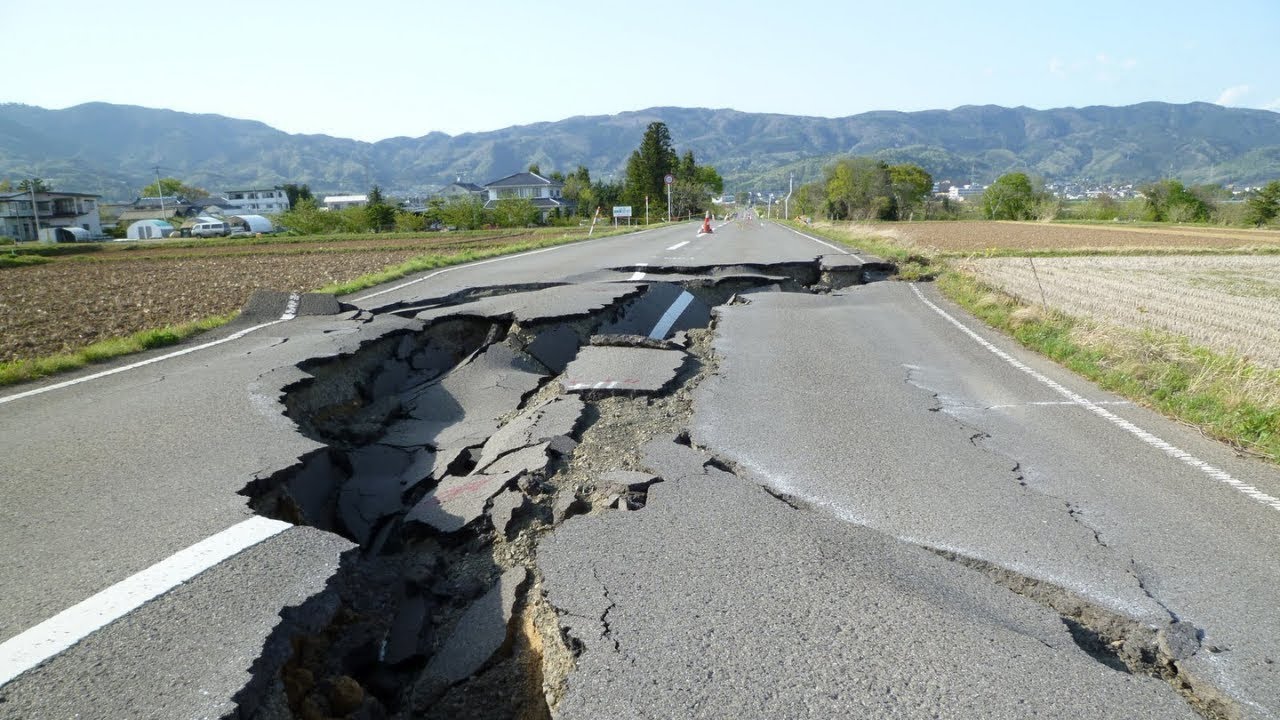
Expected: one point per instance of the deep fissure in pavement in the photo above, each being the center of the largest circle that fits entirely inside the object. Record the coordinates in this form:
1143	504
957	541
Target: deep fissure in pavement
453	447
445	490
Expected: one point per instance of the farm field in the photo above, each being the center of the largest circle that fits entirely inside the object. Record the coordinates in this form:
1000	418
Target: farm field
1228	303
119	289
977	237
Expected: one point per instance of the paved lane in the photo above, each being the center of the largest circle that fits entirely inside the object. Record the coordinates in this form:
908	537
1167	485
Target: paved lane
883	413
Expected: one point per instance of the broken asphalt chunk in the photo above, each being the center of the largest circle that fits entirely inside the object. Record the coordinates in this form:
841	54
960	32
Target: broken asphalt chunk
528	460
504	509
477	636
621	481
457	501
463	407
535	425
555	347
555	303
373	490
614	369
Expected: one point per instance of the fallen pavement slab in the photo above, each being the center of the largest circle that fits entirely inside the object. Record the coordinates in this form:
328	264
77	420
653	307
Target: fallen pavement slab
622	369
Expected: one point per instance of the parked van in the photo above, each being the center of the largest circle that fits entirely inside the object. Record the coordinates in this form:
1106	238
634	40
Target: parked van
210	229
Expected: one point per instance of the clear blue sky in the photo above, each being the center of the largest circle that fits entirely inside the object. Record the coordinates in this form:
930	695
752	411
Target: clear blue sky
381	68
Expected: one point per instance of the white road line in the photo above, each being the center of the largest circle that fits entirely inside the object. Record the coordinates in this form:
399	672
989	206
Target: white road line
1056	403
679	245
1171	450
842	251
670	316
32	647
291	307
639	274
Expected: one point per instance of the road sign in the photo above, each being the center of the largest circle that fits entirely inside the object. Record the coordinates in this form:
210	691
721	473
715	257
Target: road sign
669	179
622	211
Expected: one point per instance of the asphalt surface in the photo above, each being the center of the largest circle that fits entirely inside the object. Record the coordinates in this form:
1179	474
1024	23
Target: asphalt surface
895	432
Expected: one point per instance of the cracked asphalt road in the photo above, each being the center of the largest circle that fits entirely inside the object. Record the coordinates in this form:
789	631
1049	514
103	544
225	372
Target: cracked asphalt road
789	575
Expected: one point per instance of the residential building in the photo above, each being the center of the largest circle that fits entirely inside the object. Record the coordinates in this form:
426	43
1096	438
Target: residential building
462	189
256	201
960	193
157	208
342	202
52	209
543	193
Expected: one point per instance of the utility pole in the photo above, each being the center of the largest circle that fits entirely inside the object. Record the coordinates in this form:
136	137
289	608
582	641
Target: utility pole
160	191
786	201
35	211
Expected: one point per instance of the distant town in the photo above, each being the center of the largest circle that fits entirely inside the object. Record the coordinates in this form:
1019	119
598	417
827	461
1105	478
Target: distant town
77	217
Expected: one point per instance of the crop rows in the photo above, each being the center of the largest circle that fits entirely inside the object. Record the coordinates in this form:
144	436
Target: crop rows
1228	303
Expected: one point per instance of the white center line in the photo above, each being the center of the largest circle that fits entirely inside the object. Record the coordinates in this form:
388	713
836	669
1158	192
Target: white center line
679	245
670	316
35	645
639	274
1171	450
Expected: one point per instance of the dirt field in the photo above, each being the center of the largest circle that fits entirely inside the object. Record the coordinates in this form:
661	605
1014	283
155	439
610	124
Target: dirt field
964	237
77	300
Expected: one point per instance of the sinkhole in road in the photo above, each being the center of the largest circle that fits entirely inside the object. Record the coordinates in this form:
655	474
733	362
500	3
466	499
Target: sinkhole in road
452	445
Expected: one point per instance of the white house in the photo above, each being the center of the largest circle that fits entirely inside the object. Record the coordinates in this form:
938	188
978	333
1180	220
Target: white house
543	193
53	210
257	201
342	202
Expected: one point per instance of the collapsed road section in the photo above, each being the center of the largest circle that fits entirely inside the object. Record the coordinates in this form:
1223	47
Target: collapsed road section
514	466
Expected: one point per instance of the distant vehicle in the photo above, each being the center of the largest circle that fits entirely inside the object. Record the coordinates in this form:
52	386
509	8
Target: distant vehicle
210	229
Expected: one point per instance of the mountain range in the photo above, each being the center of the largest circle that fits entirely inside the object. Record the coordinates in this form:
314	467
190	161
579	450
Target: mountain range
115	150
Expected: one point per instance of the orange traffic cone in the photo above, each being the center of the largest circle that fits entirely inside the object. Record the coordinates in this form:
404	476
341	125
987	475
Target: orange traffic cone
706	225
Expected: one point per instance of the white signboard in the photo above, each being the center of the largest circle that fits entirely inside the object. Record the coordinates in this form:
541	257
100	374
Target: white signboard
622	211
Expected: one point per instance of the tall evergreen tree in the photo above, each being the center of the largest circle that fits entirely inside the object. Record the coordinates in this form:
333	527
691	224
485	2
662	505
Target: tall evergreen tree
649	164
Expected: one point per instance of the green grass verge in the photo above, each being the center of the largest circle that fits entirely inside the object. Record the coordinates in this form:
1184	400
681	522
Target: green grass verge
25	370
1225	396
14	261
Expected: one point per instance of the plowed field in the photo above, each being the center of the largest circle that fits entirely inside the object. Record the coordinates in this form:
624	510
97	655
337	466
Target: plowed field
75	301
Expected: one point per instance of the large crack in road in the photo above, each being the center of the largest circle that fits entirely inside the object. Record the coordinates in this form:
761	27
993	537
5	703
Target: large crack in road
458	443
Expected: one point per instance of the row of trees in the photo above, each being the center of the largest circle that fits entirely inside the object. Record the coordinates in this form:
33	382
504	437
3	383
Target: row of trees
861	188
1016	196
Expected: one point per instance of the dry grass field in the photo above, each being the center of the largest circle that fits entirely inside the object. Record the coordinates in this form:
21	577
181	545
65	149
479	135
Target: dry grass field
1229	303
978	237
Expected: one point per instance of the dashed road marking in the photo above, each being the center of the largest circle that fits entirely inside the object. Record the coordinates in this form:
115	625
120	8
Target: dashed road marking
679	245
1173	451
638	274
35	645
